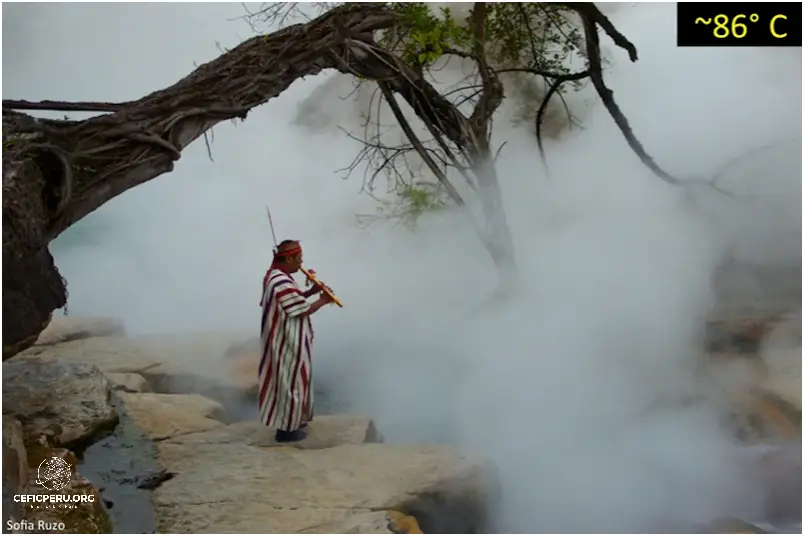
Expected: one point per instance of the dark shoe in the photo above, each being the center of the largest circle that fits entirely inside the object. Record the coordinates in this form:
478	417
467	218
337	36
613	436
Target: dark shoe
283	436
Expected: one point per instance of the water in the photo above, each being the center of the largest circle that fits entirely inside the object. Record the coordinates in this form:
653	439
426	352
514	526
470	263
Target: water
122	465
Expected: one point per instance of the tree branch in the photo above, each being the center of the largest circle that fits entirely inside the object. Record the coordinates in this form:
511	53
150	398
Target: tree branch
154	129
607	96
414	139
62	106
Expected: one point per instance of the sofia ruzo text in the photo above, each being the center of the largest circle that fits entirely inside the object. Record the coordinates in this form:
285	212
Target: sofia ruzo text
34	526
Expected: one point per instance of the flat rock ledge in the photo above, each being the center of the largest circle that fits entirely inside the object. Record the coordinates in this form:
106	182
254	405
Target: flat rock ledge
234	487
112	354
235	477
162	416
68	328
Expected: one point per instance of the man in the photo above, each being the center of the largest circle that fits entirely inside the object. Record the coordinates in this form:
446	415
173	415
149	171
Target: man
286	387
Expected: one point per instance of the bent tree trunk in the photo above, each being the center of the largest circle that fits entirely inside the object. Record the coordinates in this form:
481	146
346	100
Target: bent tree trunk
56	172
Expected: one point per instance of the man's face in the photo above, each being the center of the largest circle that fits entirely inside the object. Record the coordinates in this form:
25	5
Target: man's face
295	262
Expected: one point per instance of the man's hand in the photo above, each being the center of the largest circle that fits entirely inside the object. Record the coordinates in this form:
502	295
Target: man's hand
315	288
322	300
312	291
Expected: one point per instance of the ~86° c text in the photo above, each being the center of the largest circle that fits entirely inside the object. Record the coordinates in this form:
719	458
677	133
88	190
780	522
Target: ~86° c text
752	24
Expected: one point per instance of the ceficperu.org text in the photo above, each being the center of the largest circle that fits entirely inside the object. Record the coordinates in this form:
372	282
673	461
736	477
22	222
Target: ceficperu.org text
54	498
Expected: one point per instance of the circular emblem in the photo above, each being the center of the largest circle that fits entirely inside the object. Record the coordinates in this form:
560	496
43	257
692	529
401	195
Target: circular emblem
54	474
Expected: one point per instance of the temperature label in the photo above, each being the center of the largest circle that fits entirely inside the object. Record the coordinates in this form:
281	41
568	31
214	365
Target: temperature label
738	24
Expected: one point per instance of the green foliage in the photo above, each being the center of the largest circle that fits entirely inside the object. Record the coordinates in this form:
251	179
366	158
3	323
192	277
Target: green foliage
521	38
535	36
423	35
532	35
420	199
412	201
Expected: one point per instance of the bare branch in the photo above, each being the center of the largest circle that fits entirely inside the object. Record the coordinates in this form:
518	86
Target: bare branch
555	85
607	96
414	139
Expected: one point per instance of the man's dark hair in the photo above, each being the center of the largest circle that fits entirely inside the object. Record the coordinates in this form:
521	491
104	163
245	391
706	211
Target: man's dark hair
285	244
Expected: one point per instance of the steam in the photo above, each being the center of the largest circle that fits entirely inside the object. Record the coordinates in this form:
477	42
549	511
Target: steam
584	388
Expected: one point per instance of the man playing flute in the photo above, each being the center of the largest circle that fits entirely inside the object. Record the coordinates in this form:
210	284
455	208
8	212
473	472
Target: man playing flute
286	385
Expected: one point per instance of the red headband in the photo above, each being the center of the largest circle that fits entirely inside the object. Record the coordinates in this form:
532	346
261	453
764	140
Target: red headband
287	252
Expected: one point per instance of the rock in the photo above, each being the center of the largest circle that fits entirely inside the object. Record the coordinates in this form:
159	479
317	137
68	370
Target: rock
240	488
15	468
20	475
78	518
781	358
764	405
324	432
741	334
110	354
246	347
733	525
402	524
128	382
243	371
779	473
162	416
381	522
242	360
65	400
69	328
189	353
760	418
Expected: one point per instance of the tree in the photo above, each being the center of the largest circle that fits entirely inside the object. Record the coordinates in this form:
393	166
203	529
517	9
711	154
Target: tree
498	39
56	172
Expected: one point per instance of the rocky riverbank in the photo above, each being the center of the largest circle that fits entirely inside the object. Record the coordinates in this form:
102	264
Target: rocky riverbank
165	444
182	462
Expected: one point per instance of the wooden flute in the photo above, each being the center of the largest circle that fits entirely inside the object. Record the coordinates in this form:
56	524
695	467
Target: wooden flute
311	278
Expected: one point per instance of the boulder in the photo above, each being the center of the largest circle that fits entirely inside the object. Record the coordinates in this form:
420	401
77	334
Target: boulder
236	487
67	401
110	354
324	432
15	469
69	328
128	382
163	416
